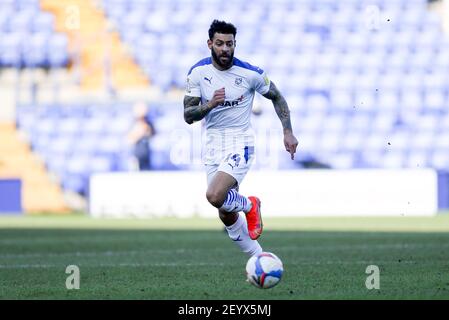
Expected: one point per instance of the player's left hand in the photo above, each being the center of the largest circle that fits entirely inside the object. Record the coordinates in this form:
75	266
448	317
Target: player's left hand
290	143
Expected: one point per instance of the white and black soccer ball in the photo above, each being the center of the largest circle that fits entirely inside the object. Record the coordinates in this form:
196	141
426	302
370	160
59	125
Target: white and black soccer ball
264	270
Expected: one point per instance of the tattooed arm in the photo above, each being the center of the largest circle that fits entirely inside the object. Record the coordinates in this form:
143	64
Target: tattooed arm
193	111
281	107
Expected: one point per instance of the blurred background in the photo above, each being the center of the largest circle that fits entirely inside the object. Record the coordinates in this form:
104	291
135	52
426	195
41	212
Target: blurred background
96	86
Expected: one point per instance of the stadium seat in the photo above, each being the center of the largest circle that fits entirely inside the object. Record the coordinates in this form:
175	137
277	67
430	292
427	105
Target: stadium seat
440	160
35	51
417	159
393	160
43	22
57	51
21	21
343	160
11	49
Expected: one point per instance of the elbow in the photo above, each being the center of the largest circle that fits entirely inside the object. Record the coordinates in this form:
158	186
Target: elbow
188	120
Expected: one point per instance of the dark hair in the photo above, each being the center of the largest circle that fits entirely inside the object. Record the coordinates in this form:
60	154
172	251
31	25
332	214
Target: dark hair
221	27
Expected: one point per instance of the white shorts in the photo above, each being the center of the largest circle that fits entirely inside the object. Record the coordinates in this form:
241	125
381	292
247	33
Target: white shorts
235	163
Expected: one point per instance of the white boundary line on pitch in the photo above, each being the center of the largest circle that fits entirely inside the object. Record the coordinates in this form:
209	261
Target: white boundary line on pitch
110	253
106	265
177	264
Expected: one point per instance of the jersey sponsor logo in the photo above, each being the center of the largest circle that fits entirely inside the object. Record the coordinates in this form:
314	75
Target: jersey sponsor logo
231	103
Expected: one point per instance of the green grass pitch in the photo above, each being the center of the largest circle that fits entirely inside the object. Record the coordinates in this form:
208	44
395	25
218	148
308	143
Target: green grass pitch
324	258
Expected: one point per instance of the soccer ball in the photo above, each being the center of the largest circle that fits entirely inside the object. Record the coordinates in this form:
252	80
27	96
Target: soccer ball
264	270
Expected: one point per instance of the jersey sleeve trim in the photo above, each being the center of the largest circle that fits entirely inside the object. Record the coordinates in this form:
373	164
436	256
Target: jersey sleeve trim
200	63
246	65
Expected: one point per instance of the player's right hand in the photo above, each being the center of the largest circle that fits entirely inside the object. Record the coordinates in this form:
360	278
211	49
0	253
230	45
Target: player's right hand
218	98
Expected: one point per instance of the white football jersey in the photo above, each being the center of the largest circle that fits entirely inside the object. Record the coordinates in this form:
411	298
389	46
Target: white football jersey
228	123
241	81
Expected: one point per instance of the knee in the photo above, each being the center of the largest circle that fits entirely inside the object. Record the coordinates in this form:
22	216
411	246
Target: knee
215	198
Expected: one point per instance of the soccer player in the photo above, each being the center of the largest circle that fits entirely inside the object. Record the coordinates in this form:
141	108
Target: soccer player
221	90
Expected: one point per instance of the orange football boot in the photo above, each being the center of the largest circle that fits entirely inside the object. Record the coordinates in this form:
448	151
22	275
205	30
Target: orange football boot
254	219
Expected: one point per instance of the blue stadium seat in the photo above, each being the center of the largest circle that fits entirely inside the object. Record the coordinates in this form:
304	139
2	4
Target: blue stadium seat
61	145
57	51
111	145
352	142
70	127
5	15
375	142
35	51
435	100
75	183
21	21
56	163
32	5
330	142
47	126
87	144
342	160
11	49
425	133
393	160
439	160
133	20
43	22
78	165
417	159
94	125
99	164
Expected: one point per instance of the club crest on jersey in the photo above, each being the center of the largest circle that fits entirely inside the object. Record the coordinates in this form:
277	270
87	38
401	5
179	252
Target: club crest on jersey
238	81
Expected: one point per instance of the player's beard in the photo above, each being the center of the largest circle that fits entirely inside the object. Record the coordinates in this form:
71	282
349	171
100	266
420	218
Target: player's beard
218	61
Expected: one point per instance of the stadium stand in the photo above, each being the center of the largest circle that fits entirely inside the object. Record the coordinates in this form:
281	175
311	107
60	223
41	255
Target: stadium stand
28	41
40	192
100	54
28	37
366	82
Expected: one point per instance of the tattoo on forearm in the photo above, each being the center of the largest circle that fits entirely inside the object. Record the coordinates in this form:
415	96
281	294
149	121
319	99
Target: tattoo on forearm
193	111
280	105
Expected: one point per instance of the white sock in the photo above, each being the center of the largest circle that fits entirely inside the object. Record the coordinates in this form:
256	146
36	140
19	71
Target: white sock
235	202
238	232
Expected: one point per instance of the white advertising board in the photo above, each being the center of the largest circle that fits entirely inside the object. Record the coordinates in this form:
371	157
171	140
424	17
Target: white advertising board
283	193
